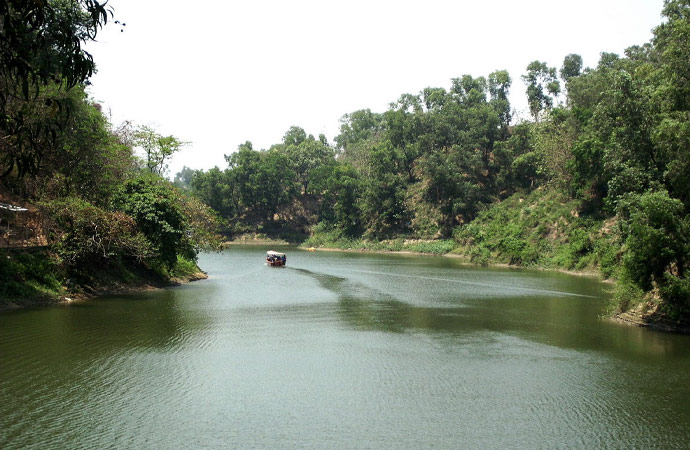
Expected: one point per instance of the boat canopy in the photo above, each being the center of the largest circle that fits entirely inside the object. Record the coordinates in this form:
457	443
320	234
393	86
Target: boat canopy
272	253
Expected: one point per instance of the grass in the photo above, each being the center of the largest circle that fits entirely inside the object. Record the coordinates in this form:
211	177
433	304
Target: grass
326	238
29	274
184	269
543	228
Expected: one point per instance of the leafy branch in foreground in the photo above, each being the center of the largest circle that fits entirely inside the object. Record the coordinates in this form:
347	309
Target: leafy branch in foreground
41	43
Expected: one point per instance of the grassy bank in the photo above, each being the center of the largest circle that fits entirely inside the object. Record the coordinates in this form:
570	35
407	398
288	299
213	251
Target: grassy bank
33	277
333	239
29	276
544	229
257	239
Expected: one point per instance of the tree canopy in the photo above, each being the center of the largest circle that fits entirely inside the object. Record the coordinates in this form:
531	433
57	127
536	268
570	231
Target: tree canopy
41	45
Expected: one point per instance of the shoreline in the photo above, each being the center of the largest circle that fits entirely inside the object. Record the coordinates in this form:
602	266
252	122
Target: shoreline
638	320
466	261
254	240
97	292
648	315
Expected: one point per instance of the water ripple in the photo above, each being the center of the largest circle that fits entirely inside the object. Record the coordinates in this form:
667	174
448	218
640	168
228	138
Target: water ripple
343	356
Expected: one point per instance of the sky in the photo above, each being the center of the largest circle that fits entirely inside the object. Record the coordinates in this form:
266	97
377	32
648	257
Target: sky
219	73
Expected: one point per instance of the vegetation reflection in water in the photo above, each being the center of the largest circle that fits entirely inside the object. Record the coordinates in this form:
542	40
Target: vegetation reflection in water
342	350
366	308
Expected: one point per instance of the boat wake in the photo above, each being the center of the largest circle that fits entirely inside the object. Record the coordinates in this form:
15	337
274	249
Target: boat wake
477	283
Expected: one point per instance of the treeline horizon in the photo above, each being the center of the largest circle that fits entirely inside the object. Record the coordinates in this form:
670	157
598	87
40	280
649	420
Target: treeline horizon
614	138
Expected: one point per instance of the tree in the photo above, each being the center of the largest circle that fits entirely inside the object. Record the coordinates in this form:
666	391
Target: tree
342	189
453	180
518	164
671	138
656	232
383	196
434	98
88	158
264	181
499	88
358	127
30	129
41	44
672	40
217	189
203	224
70	149
157	148
306	155
294	136
183	178
468	90
671	135
553	141
626	122
88	237
157	209
405	125
572	67
542	86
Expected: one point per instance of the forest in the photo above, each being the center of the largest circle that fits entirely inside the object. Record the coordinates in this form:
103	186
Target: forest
595	179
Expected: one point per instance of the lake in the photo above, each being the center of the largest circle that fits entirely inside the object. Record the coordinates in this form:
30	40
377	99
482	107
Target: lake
343	350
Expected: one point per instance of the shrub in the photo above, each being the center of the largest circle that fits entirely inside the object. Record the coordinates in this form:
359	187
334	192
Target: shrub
183	268
655	230
85	235
28	273
154	205
676	292
627	296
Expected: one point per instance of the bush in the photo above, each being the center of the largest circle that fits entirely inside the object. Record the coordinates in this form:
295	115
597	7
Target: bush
436	247
84	235
183	268
657	241
627	296
28	273
676	293
155	206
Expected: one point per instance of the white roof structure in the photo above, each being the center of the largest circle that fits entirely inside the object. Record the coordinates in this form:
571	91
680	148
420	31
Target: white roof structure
12	208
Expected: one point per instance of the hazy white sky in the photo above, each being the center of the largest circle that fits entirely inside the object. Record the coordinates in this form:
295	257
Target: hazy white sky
218	73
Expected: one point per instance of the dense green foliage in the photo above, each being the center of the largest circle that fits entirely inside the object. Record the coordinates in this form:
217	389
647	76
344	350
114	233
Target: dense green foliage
40	44
104	204
542	228
597	180
29	274
107	214
89	236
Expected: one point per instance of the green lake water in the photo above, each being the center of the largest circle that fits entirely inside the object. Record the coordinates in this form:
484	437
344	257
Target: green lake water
343	350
